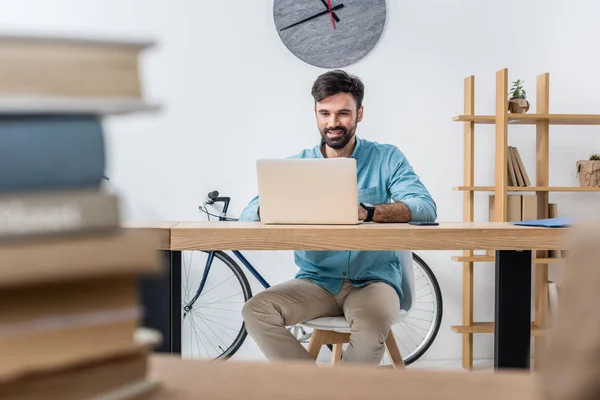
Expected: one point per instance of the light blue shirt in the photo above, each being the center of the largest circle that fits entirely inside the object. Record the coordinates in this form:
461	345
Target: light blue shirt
383	174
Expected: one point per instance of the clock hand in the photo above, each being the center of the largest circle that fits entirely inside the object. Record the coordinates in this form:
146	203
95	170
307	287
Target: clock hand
334	16
314	16
330	13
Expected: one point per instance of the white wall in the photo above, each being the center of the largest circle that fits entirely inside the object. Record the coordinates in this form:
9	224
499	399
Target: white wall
233	93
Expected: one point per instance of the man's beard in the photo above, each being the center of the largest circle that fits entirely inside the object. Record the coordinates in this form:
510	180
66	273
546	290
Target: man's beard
340	142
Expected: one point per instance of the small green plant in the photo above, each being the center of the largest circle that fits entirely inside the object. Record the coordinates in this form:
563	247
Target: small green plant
595	157
517	91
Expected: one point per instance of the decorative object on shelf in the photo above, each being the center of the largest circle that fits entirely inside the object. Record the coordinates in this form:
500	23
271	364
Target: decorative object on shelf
329	33
517	102
589	171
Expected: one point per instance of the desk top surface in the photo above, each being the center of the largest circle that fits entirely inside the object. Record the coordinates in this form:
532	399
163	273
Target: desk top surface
193	379
369	236
443	226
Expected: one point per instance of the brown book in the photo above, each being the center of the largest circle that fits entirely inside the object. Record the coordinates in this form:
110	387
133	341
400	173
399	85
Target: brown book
53	324
68	66
529	208
78	257
115	376
33	214
512	177
521	167
516	168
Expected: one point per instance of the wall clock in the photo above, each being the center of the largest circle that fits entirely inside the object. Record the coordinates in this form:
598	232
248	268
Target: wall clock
329	33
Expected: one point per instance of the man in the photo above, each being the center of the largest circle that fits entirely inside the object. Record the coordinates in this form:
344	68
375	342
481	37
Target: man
364	286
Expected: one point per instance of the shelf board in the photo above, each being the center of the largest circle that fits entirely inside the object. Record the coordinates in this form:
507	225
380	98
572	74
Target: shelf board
475	258
532	119
488	327
529	188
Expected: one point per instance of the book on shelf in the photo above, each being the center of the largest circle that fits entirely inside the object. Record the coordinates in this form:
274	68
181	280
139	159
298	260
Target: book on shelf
517	175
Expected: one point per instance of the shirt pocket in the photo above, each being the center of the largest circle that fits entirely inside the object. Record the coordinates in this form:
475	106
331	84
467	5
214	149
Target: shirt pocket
369	195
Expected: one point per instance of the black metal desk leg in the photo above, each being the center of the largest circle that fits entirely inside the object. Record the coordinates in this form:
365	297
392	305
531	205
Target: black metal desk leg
512	333
175	291
161	299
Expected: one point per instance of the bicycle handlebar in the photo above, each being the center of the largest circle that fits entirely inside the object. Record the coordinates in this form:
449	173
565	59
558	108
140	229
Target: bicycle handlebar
213	197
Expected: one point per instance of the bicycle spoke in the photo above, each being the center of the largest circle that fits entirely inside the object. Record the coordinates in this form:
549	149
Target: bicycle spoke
213	325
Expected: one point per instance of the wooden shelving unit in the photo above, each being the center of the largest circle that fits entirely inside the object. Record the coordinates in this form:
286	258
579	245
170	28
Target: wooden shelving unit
541	119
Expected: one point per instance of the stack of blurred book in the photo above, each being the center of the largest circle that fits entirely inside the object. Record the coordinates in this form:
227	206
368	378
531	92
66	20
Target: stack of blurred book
69	306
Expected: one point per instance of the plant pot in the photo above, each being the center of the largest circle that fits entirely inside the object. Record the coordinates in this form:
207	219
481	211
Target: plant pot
518	105
588	172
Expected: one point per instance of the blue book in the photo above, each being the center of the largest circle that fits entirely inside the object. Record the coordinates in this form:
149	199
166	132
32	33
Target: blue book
50	152
558	222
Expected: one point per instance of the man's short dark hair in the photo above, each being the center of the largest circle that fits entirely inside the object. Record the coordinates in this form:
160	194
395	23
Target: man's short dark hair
338	81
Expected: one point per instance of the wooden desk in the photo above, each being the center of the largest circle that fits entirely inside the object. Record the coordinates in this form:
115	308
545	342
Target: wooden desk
192	379
513	260
369	236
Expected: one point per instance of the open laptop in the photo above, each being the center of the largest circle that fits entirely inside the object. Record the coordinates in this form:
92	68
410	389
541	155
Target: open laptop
308	191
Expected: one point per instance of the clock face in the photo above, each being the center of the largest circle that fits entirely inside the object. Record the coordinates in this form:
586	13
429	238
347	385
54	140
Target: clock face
329	38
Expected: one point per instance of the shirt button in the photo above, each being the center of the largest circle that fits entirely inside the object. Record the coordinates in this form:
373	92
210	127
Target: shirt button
344	273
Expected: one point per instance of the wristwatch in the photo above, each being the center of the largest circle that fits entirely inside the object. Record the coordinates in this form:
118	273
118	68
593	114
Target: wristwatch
370	211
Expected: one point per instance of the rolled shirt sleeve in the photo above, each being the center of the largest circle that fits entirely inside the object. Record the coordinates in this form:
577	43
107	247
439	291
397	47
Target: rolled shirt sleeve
405	186
250	213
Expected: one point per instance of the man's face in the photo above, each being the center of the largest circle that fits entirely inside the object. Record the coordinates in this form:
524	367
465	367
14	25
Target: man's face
337	117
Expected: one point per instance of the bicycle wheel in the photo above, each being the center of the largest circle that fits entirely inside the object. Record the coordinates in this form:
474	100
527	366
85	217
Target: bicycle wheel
213	328
418	330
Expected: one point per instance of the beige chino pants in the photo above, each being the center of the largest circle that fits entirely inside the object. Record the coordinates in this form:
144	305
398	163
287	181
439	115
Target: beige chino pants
369	310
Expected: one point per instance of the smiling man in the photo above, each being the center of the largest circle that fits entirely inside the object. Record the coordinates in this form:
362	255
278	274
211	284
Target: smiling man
363	286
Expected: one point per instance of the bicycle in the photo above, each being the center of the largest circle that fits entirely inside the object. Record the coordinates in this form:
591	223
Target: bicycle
414	335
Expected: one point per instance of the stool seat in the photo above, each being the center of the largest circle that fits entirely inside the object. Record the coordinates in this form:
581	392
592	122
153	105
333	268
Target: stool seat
340	324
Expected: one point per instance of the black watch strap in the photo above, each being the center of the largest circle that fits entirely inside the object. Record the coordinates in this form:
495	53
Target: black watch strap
370	211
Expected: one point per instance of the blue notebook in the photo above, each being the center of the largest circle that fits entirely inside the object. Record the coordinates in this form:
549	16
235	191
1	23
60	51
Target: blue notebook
558	222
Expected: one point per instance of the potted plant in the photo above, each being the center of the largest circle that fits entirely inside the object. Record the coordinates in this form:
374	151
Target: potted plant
517	102
589	171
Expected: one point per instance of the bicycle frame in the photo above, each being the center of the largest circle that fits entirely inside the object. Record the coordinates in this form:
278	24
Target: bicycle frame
209	261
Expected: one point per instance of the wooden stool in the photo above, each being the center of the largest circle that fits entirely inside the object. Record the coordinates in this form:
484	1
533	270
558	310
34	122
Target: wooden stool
321	336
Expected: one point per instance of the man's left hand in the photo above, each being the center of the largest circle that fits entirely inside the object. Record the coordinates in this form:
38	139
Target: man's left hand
362	213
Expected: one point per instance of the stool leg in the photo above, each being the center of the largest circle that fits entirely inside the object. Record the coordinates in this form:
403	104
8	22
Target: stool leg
394	352
315	343
336	357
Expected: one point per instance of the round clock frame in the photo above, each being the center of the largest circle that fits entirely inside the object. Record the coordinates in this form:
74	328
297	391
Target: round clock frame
329	33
